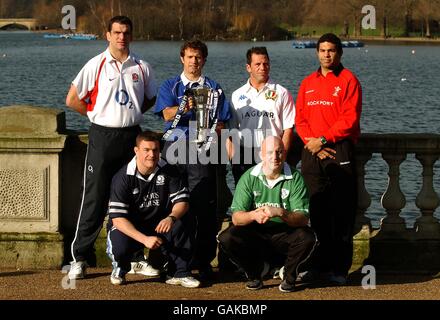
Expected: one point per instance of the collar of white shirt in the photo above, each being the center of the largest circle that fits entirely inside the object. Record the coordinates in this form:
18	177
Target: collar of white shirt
286	174
109	58
266	86
186	81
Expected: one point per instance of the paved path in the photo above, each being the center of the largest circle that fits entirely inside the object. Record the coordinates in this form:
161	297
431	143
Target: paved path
48	285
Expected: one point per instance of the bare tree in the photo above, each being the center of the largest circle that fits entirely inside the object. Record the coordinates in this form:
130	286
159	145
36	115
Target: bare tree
14	9
47	13
427	10
235	18
409	9
96	12
355	10
207	17
180	17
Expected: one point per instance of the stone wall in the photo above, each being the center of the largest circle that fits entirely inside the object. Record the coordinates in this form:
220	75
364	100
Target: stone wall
41	170
31	143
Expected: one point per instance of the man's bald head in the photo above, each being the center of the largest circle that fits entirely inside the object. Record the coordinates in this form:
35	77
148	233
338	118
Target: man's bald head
272	154
271	141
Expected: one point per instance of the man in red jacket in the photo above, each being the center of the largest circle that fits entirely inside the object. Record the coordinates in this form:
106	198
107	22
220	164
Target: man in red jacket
328	110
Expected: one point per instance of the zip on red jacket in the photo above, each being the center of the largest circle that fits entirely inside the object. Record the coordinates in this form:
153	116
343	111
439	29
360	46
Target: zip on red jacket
329	106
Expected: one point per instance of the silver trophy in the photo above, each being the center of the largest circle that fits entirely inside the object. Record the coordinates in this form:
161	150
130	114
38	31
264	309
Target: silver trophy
202	97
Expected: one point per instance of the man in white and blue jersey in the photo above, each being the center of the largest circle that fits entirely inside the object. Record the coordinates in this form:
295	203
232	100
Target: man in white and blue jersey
147	207
201	178
113	90
259	108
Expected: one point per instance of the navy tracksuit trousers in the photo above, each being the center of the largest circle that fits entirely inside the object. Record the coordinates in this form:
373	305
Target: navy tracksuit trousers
202	185
176	247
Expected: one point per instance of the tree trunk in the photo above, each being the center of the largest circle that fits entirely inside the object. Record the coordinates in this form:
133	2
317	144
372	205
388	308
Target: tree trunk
111	9
407	24
428	30
92	7
205	18
355	26
384	27
180	3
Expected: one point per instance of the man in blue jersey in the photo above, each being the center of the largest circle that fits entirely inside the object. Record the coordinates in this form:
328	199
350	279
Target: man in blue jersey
173	105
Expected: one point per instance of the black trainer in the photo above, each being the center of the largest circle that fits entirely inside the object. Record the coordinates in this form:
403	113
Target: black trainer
254	284
286	286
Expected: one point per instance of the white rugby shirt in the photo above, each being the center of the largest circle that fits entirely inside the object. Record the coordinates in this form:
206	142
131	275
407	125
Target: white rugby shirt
114	92
269	111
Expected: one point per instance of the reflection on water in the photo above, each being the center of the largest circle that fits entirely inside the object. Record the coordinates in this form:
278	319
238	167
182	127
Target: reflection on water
400	89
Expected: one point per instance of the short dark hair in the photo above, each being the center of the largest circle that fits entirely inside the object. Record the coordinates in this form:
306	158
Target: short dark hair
148	136
256	50
121	20
195	45
332	38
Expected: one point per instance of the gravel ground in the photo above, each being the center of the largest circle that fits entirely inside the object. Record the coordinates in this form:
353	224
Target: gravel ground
53	285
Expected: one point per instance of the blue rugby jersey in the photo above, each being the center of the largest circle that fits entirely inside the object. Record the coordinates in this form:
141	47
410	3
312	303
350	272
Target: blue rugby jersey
171	93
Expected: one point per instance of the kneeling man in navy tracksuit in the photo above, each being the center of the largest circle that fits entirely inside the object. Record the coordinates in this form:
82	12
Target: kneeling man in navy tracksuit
147	207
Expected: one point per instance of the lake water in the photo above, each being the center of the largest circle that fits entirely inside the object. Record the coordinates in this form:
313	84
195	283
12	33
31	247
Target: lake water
401	89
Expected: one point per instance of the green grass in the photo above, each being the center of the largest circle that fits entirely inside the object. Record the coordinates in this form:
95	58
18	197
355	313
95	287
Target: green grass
300	31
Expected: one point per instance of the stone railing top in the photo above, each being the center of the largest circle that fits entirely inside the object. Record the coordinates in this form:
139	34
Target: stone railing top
32	129
399	142
25	121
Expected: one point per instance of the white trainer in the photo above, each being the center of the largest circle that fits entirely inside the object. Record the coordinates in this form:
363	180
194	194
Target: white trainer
117	280
281	273
187	282
77	270
143	267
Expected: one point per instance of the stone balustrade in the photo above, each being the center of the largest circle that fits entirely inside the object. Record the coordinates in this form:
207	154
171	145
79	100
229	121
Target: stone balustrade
40	182
394	247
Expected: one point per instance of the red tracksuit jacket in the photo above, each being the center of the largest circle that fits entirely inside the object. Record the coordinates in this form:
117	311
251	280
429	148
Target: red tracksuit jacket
329	106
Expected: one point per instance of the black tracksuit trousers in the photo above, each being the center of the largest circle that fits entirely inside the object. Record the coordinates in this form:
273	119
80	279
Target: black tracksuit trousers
251	245
333	201
108	150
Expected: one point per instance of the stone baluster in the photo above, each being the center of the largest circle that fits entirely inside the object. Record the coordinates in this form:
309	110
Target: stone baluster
364	199
427	200
393	200
362	227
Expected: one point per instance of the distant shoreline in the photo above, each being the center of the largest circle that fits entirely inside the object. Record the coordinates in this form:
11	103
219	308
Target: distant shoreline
366	39
378	39
403	40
